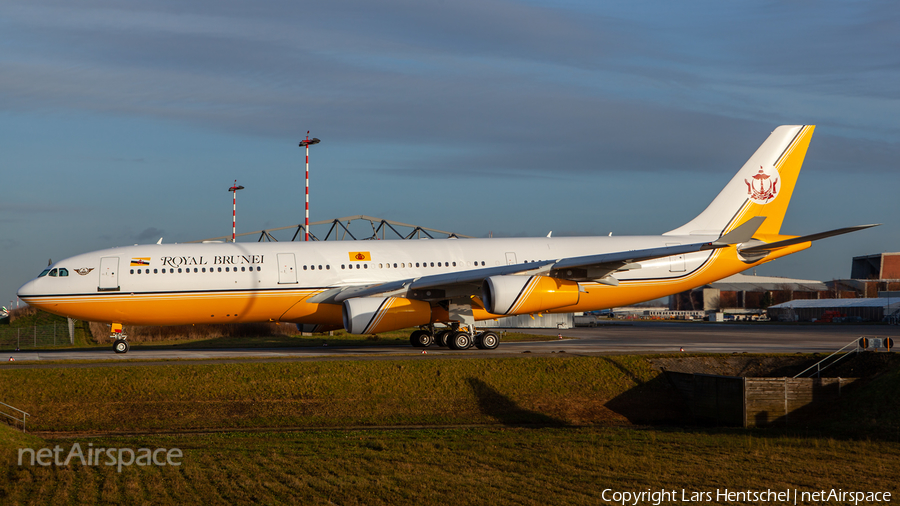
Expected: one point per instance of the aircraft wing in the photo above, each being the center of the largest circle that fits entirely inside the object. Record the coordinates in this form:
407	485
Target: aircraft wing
597	266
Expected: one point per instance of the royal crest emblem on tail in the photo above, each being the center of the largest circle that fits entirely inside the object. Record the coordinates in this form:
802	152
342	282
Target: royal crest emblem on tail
763	187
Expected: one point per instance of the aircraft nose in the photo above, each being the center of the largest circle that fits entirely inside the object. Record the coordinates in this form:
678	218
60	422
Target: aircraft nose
27	290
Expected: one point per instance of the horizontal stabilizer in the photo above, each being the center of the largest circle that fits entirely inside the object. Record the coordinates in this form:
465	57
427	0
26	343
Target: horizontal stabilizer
743	233
806	238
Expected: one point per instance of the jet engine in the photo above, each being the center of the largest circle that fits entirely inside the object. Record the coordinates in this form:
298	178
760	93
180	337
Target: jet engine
365	315
509	295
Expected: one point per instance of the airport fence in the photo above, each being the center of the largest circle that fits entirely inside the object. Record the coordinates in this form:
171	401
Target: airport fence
37	336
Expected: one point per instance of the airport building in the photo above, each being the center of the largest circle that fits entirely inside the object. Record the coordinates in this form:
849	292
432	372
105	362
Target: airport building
527	321
743	294
836	310
872	277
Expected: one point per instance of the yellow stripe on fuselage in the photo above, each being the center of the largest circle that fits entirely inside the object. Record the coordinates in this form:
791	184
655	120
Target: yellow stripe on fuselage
175	308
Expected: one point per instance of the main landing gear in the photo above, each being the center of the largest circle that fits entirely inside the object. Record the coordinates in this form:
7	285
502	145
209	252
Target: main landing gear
116	332
455	338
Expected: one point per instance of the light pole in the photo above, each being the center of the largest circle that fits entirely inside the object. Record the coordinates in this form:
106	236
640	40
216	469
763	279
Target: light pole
306	143
234	189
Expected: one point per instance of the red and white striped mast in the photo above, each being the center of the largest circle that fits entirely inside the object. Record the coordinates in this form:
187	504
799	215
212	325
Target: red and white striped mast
306	143
233	191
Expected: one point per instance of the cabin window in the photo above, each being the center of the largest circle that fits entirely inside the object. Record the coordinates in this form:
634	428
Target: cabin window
154	271
304	267
179	270
432	264
454	264
365	266
53	272
327	267
342	266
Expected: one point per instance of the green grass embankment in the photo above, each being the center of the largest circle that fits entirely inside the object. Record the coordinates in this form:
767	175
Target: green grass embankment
533	390
505	463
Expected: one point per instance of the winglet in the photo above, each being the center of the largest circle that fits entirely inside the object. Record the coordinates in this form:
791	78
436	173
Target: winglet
742	233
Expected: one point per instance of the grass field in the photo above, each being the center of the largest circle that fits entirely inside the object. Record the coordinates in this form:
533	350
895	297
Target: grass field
341	393
530	430
456	466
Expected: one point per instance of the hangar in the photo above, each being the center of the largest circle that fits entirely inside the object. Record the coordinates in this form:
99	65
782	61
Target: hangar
836	310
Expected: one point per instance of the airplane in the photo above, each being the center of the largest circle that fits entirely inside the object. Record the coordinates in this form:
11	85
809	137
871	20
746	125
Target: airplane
381	286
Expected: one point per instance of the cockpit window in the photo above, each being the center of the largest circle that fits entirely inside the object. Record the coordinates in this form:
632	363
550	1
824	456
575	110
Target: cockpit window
53	273
63	271
44	273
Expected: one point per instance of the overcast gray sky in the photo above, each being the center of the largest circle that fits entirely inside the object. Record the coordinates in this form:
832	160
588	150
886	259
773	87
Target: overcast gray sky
123	122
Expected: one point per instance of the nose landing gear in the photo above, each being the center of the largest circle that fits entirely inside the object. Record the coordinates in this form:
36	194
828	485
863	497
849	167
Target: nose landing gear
116	332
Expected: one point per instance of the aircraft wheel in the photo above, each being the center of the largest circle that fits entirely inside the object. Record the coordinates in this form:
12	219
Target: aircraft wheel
487	340
440	338
421	339
459	341
121	346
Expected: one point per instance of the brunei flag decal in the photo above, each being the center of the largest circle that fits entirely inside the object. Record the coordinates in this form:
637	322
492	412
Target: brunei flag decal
137	262
360	256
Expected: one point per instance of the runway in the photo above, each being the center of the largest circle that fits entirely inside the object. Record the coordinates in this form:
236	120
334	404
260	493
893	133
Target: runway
637	337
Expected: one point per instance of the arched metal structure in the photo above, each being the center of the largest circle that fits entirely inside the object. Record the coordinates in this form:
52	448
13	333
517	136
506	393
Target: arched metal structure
339	230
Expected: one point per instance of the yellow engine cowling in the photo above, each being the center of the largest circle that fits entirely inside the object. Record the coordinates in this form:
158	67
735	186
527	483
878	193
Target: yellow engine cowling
365	315
510	295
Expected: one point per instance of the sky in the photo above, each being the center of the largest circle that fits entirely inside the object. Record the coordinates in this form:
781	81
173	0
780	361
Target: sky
124	122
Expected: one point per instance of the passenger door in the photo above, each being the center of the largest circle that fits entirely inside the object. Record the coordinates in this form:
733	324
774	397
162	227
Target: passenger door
287	268
109	274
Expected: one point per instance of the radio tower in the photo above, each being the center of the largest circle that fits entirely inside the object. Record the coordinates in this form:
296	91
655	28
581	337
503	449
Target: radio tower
234	189
306	143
